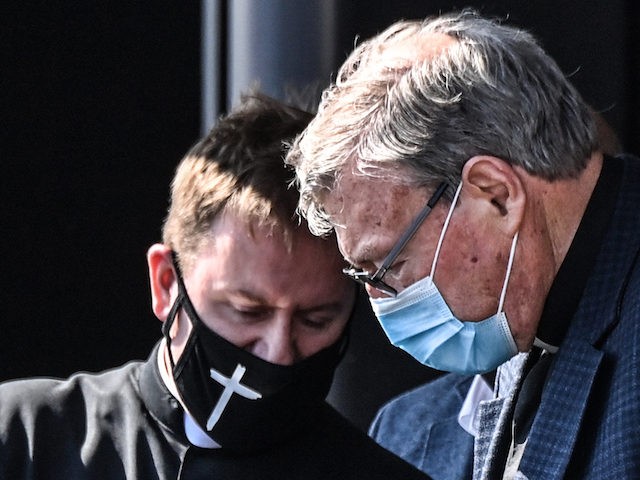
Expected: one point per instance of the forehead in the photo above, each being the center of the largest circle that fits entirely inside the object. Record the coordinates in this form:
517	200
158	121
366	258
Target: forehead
358	196
253	258
232	231
369	213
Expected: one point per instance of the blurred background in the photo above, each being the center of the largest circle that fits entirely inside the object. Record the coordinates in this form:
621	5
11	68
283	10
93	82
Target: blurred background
100	100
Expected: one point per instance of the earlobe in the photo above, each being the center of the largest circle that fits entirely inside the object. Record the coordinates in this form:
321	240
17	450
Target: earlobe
162	279
496	185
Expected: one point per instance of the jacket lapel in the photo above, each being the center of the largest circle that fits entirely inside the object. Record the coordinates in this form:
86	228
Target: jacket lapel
488	417
564	400
495	420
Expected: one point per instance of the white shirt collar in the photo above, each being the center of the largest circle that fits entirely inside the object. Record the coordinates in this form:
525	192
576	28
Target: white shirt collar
479	391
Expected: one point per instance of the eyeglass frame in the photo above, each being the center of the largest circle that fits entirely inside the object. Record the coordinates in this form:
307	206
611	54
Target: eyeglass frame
364	278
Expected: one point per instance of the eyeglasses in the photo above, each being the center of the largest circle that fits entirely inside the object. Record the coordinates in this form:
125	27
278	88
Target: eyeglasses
363	277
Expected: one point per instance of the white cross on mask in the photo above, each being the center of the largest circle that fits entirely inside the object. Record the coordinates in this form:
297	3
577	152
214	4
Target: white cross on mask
231	385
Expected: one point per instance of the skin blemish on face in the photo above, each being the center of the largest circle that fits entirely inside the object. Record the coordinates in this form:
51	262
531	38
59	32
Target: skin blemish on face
474	259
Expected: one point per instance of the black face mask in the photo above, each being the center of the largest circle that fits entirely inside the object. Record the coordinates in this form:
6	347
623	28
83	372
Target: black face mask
242	402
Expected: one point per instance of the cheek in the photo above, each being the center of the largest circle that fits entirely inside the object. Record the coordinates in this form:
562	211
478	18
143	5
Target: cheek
470	274
308	341
217	320
307	345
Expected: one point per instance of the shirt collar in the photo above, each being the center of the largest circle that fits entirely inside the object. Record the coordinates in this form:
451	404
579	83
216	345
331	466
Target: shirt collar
479	391
196	435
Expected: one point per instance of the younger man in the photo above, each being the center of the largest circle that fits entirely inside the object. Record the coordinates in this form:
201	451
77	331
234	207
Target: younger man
255	311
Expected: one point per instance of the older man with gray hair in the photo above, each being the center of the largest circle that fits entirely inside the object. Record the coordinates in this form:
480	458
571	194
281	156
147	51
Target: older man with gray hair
463	176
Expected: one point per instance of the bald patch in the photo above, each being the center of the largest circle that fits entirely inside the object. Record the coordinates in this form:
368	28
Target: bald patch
415	47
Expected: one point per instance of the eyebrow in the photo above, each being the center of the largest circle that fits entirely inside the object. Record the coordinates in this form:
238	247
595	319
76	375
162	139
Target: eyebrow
335	306
249	296
332	307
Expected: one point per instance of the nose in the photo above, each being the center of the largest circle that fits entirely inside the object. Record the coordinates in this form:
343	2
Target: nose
276	344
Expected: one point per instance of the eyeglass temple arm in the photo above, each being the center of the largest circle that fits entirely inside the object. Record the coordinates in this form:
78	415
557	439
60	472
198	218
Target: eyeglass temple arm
408	235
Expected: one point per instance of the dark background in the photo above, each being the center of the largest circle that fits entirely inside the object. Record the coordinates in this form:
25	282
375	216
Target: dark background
99	102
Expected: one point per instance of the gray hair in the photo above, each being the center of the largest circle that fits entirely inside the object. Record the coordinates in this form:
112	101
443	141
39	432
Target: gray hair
494	91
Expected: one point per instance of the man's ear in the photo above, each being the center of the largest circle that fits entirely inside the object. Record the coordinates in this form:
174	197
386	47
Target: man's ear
162	279
497	189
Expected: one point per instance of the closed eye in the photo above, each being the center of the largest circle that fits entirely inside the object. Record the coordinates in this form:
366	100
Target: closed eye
251	314
317	323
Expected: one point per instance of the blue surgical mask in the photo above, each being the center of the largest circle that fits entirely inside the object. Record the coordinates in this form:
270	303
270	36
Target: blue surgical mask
419	321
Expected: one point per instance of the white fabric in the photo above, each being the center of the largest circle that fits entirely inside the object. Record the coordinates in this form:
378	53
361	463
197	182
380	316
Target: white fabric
479	391
545	346
196	435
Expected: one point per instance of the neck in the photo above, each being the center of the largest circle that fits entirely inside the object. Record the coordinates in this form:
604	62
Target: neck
564	206
554	212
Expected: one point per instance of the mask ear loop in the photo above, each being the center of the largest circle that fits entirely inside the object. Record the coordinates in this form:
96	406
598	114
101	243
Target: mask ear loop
444	229
512	254
173	312
167	326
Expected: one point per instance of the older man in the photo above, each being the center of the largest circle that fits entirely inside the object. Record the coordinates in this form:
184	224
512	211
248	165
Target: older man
462	174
